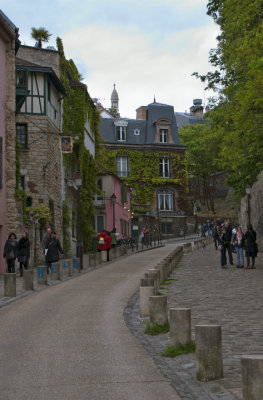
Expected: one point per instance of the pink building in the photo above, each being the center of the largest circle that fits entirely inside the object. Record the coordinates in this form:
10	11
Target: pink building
112	206
8	46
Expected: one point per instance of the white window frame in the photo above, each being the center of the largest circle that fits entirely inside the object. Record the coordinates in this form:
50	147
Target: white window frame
165	200
163	135
164	167
96	222
122	163
121	133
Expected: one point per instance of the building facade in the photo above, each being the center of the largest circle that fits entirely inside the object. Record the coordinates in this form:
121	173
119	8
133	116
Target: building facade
38	128
112	206
9	44
147	155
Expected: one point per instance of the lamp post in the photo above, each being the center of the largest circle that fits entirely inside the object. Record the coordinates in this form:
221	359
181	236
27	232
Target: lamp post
113	200
78	183
248	192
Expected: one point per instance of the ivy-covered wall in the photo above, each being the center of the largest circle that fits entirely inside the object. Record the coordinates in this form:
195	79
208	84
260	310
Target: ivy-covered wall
144	172
77	106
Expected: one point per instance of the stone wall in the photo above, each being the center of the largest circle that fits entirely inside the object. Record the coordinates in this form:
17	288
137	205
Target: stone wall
43	57
41	166
256	210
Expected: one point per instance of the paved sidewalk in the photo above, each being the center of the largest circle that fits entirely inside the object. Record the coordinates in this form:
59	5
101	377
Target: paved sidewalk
230	297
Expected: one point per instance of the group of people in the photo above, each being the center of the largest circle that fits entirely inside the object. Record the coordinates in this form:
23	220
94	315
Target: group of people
20	250
107	240
230	239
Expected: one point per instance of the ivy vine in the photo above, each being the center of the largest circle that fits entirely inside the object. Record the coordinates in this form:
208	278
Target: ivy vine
76	106
144	172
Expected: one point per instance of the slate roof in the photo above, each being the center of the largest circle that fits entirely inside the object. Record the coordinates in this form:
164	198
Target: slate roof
147	128
187	119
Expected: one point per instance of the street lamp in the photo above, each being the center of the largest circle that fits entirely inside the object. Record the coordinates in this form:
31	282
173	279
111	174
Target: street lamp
248	192
113	200
78	183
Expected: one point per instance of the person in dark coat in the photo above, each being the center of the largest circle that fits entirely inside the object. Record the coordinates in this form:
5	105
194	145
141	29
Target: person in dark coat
10	253
251	246
228	241
53	248
23	253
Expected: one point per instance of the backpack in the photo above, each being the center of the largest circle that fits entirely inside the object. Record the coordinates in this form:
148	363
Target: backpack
101	240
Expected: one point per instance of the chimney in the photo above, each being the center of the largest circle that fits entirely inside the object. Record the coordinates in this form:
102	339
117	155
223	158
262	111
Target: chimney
141	112
197	109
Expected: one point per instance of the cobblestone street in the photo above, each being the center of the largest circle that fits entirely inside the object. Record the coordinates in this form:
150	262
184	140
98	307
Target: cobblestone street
231	298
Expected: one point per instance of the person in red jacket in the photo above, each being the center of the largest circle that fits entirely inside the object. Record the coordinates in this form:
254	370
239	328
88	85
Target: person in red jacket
104	243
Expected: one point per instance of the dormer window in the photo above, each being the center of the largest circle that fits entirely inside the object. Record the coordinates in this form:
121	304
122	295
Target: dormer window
121	130
163	135
121	133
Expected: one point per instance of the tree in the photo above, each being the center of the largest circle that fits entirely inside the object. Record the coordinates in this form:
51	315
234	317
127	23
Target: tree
40	35
202	160
238	81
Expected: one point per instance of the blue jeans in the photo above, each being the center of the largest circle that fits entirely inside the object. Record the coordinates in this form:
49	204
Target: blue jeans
240	256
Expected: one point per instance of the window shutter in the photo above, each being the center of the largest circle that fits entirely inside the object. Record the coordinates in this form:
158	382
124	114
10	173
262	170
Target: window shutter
123	194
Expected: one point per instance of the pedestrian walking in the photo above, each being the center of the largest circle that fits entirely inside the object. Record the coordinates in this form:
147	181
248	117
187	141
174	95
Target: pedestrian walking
10	253
113	238
251	246
228	241
104	243
45	240
223	247
23	252
203	229
215	234
239	244
53	248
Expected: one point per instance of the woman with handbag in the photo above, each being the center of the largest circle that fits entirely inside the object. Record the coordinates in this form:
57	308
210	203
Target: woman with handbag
251	246
239	244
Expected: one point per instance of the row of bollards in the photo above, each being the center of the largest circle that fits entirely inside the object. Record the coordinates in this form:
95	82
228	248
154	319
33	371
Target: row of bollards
208	338
59	271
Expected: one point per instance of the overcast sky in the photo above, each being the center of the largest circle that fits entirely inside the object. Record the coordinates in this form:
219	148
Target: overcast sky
147	47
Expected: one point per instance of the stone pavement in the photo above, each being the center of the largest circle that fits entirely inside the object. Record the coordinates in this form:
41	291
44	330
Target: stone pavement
231	298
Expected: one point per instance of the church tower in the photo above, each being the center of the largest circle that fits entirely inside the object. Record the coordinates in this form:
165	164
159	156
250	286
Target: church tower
115	100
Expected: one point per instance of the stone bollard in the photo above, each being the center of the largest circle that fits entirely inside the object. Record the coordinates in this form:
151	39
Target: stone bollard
10	285
76	264
252	377
104	255
149	275
145	293
42	275
147	282
93	259
65	268
113	253
161	267
98	257
55	271
158	310
180	326
156	272
28	282
209	358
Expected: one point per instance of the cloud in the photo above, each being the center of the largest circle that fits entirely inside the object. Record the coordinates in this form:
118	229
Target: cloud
139	68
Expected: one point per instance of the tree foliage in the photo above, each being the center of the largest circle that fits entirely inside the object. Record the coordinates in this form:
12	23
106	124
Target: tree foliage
40	35
238	80
202	159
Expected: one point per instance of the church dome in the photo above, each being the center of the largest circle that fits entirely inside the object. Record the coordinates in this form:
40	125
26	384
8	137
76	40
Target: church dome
114	95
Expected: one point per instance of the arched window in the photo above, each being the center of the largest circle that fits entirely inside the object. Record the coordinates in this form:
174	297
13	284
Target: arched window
165	200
